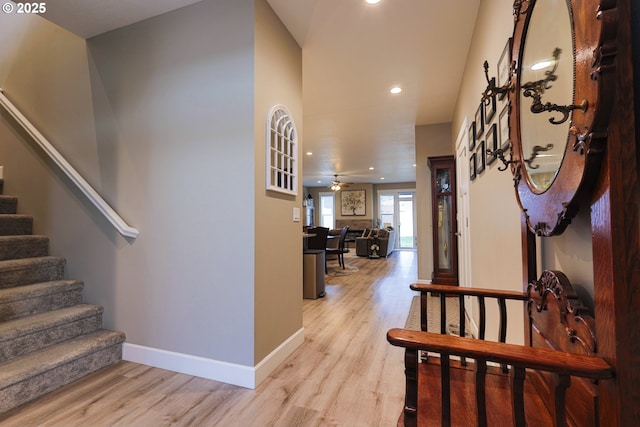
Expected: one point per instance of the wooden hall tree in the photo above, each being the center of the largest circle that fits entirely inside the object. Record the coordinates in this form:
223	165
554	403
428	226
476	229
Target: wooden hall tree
615	219
596	174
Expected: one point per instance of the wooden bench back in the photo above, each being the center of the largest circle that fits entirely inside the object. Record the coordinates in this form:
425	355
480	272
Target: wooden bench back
559	321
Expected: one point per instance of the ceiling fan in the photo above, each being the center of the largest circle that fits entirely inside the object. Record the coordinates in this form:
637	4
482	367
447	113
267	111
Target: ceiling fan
336	185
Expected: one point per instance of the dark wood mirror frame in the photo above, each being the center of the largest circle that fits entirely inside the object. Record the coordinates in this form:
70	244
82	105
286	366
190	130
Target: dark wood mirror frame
549	212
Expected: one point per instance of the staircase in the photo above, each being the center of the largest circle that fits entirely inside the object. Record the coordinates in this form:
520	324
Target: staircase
48	337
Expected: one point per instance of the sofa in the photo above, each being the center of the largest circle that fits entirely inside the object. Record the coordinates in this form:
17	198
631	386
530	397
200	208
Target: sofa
384	237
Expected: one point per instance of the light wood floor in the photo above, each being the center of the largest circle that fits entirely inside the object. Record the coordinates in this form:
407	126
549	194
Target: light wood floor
345	374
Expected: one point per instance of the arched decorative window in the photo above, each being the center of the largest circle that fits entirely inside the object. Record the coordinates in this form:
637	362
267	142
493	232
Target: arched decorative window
282	151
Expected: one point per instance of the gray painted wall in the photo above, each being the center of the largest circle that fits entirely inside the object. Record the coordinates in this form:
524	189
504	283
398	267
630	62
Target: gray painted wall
173	98
159	117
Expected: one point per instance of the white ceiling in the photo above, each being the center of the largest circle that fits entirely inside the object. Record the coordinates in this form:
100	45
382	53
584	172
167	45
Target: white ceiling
88	18
352	54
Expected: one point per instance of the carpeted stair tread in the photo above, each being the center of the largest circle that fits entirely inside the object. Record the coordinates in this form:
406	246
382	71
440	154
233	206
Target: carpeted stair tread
40	297
41	372
26	271
25	335
8	204
19	293
23	246
15	328
46	359
12	225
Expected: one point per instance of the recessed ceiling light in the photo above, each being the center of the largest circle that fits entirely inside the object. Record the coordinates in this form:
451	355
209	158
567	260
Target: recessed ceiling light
372	1
319	182
382	177
395	90
371	168
414	165
309	153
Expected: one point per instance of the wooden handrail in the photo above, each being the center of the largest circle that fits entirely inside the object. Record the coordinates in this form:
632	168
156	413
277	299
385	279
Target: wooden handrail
109	213
526	357
479	292
461	292
561	364
556	360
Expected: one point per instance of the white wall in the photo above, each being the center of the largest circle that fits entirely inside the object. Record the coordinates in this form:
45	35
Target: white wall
496	254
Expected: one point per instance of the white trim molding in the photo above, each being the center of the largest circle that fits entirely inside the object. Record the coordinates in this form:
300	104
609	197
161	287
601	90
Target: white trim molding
274	359
111	215
230	373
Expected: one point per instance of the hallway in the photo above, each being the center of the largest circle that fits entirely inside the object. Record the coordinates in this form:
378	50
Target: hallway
345	374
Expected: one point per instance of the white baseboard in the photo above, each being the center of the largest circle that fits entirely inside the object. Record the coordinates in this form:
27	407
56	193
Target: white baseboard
423	282
230	373
269	364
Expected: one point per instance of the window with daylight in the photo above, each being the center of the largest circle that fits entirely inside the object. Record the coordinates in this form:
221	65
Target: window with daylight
282	151
327	209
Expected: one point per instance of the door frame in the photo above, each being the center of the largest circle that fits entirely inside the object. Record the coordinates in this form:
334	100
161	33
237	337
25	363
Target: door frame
396	210
462	196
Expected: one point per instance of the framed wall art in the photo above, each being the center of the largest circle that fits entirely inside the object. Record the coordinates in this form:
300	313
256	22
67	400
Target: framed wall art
353	202
492	143
503	124
472	136
504	68
490	105
480	158
479	121
472	167
282	151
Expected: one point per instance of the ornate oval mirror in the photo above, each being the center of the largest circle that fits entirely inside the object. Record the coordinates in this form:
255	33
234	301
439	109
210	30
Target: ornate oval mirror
560	107
546	76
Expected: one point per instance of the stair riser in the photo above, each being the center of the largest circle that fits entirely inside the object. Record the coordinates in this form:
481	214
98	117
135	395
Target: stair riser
28	248
15	226
38	340
8	205
39	304
37	274
39	385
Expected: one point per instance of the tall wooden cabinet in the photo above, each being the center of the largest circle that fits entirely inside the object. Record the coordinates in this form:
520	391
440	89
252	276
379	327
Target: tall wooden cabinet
443	196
